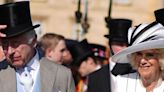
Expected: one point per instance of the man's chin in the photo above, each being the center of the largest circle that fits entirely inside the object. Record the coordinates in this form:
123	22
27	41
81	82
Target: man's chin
17	64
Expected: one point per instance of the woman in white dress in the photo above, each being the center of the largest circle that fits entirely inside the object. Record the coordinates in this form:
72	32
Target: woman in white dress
146	54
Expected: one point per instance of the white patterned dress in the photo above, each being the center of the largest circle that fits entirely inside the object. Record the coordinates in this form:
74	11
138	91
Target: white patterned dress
132	83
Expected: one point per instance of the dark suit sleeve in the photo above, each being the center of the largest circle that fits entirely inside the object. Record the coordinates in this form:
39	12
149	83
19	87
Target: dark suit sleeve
99	81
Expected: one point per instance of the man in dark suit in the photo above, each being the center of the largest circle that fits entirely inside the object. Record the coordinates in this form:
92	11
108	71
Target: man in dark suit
85	62
100	80
28	72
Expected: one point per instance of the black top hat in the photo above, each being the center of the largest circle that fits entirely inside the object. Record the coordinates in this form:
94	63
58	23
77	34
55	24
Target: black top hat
17	17
99	51
159	15
80	52
118	30
70	43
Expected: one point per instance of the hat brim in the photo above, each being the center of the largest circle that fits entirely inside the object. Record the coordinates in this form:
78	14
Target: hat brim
15	31
116	39
122	56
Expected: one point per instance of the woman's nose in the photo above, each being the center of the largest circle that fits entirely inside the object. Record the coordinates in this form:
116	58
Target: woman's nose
143	61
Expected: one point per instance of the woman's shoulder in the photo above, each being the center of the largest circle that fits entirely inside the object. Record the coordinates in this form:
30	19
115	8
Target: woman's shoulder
127	77
122	82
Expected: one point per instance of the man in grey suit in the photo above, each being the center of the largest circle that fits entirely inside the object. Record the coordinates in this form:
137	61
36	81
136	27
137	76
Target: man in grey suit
27	71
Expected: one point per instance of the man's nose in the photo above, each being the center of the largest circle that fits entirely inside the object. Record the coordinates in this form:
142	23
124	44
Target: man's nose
10	50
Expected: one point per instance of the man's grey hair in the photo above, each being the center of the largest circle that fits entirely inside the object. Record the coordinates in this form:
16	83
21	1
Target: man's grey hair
31	35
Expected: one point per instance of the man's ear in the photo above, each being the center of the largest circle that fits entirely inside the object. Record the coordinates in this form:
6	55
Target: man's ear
34	41
48	52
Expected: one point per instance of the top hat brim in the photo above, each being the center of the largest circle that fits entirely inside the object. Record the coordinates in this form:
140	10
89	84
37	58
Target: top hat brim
116	39
122	56
11	32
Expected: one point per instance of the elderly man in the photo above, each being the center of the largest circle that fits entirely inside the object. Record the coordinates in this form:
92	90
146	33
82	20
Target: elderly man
27	71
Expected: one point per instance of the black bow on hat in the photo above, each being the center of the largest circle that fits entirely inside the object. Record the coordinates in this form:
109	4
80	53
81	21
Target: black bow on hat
17	17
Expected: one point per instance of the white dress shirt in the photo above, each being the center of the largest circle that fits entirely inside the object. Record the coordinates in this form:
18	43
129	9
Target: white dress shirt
33	67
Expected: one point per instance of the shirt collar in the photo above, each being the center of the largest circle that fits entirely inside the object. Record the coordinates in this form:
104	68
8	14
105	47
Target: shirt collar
98	67
34	62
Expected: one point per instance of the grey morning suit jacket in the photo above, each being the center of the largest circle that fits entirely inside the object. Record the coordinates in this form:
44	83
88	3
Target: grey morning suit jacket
54	78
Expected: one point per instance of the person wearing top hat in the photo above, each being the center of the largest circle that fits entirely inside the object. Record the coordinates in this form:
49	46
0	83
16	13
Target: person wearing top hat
85	61
145	53
118	41
27	71
101	80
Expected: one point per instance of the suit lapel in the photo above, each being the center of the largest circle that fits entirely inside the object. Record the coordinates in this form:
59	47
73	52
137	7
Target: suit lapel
47	75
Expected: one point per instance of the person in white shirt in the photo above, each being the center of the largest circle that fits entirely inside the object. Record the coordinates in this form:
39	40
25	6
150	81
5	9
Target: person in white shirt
27	70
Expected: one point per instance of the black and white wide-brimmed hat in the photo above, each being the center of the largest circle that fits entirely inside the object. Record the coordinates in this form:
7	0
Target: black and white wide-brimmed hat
143	37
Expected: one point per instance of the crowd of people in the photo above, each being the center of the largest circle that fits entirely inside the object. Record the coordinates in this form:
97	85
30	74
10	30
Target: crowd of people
58	64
